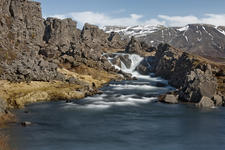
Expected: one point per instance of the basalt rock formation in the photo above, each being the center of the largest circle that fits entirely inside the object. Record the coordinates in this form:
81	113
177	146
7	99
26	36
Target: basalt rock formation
50	54
194	77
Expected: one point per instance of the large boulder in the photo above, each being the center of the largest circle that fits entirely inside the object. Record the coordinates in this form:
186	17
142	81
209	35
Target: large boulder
169	98
116	41
144	67
206	102
126	60
198	84
60	32
218	100
134	46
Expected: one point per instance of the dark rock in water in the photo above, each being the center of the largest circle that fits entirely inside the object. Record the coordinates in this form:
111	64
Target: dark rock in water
127	76
205	102
134	46
126	60
169	98
218	100
3	106
199	84
144	67
26	123
116	61
160	84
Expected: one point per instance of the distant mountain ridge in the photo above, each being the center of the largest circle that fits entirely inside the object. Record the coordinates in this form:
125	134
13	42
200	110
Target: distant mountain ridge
201	39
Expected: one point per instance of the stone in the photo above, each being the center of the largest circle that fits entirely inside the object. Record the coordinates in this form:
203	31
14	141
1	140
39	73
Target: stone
134	47
3	106
126	60
26	123
205	102
193	78
116	61
144	67
218	100
169	98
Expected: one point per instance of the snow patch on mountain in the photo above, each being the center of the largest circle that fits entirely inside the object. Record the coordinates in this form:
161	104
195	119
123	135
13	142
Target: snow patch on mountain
137	31
183	28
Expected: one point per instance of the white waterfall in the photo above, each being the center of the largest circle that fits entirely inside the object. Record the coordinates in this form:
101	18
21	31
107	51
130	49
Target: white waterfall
135	61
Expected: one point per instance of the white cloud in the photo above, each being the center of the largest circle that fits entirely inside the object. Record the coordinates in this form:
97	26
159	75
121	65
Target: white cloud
102	19
178	20
215	19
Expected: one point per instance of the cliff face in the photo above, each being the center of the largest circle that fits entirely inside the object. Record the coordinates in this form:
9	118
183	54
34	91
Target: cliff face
33	49
194	77
21	23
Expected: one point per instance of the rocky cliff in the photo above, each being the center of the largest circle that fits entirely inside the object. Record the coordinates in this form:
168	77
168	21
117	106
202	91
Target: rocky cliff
195	78
50	59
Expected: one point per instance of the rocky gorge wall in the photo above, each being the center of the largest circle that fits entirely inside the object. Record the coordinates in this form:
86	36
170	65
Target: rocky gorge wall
197	79
51	54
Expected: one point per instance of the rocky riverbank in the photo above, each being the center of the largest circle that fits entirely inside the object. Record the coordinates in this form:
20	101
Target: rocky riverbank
43	60
197	79
51	59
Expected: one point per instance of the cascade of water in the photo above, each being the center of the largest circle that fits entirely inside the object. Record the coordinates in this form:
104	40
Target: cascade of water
135	61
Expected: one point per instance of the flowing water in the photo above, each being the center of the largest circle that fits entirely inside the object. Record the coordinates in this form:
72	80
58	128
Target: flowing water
126	117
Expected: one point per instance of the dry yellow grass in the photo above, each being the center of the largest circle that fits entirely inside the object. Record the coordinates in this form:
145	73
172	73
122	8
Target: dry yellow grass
4	143
19	94
90	75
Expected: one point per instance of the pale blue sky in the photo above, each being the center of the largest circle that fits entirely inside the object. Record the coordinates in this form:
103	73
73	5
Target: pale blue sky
167	12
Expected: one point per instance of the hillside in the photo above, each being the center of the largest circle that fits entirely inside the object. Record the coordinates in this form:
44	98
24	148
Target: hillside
201	39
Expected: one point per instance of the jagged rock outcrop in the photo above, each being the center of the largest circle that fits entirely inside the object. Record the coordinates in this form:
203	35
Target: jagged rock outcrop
144	67
22	32
27	38
30	67
193	76
119	59
205	102
116	41
134	46
21	25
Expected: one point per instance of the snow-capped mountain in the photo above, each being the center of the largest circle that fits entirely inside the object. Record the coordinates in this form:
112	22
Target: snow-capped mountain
202	39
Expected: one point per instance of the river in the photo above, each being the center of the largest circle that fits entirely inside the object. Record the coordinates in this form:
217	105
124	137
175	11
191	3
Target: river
127	116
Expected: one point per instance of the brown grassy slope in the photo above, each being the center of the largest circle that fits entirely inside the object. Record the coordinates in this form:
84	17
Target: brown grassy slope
20	94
